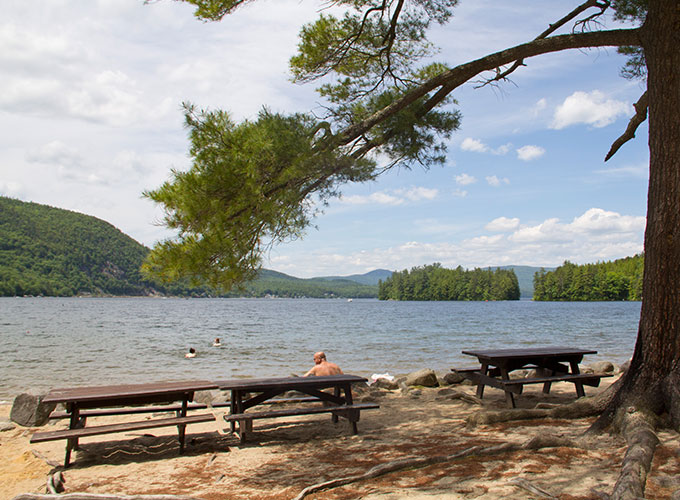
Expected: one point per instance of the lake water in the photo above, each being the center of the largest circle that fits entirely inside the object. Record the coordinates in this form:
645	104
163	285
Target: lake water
62	342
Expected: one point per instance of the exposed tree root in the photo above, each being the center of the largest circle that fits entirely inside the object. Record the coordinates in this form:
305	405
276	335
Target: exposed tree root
55	483
581	408
638	430
418	462
526	485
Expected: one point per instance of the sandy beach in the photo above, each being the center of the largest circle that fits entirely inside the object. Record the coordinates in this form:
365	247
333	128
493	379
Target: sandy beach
285	456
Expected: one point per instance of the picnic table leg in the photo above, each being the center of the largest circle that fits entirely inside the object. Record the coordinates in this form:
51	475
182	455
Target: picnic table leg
75	423
480	387
232	409
353	415
509	398
336	393
181	429
244	426
579	386
548	385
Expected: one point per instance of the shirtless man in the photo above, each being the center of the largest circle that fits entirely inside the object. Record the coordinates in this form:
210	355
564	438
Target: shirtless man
323	367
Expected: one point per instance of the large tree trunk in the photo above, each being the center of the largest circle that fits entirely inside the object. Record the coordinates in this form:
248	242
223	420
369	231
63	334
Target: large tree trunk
652	384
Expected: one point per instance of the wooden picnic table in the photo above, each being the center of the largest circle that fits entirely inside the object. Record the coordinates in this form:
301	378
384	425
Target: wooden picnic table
248	393
82	398
551	363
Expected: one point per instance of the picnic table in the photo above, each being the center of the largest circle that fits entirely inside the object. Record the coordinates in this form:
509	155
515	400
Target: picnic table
551	364
80	401
249	393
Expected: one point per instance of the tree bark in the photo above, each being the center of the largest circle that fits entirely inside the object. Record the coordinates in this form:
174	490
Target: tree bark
650	388
652	382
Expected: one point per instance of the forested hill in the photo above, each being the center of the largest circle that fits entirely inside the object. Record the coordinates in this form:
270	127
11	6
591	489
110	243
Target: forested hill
617	280
54	252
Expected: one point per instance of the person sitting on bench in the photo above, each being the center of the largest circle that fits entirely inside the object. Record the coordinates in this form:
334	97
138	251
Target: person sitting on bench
323	367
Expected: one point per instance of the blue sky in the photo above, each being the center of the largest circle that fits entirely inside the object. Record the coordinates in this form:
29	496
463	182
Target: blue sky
90	117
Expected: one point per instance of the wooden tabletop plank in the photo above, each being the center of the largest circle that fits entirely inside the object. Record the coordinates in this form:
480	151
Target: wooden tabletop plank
528	353
111	392
287	383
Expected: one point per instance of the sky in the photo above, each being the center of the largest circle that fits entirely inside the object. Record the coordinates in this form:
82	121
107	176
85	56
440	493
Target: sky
90	114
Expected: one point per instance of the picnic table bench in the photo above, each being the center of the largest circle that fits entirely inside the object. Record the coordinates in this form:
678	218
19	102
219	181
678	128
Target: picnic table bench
90	401
339	403
166	397
167	408
552	364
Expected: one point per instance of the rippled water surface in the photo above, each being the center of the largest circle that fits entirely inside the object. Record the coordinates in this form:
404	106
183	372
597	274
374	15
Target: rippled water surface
61	342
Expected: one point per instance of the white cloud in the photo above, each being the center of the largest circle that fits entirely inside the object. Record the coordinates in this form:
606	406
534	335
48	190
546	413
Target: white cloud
528	153
465	179
418	193
502	224
478	146
495	181
590	108
595	223
502	150
460	193
597	220
540	105
10	189
395	197
57	153
640	171
475	145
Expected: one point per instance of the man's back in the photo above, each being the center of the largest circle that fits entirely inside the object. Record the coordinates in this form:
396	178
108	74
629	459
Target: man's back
326	368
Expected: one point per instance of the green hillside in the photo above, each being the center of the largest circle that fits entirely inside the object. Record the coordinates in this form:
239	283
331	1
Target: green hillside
54	252
272	283
370	278
50	251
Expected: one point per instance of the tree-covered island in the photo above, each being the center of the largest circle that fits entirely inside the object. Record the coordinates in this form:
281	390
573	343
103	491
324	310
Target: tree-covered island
434	282
617	280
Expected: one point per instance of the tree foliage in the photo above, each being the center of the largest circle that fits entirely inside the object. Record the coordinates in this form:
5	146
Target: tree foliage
250	186
434	282
617	280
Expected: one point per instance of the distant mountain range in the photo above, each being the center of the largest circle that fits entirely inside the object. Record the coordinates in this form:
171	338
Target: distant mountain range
370	278
54	252
525	277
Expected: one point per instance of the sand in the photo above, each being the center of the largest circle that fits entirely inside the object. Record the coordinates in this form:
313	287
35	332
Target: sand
284	456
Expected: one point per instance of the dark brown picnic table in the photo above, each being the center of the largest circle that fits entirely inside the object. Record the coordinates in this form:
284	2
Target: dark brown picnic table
82	398
552	364
248	393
